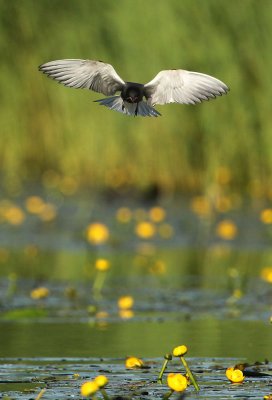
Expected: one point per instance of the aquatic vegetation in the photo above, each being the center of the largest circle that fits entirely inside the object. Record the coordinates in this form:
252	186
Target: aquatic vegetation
180	351
226	229
11	213
102	264
266	274
102	381
167	358
177	382
89	388
157	214
97	233
145	230
40	394
39	293
201	206
266	216
235	375
125	302
134	362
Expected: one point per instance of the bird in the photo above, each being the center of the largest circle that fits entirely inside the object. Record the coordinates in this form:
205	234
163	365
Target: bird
135	99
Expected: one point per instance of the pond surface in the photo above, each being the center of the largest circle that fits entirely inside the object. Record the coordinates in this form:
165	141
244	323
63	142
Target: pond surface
197	278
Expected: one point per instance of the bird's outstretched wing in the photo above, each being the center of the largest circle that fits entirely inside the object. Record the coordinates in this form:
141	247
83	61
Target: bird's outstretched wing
180	86
94	75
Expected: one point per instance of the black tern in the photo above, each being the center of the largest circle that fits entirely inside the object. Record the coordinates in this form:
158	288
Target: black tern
169	86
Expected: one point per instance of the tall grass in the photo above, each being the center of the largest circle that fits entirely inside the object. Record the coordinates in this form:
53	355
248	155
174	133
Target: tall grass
49	127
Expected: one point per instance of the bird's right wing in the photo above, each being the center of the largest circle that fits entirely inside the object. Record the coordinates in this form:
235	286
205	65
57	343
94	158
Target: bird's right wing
180	86
93	75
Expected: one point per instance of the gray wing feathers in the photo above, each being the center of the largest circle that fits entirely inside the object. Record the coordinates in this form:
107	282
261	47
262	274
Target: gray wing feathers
180	86
116	103
93	75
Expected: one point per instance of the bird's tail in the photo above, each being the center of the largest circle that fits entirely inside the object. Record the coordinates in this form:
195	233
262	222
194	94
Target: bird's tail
118	104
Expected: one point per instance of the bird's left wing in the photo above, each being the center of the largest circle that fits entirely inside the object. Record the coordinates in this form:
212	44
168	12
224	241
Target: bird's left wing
180	86
89	74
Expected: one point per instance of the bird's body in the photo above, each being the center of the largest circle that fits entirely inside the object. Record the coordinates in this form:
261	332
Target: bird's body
169	86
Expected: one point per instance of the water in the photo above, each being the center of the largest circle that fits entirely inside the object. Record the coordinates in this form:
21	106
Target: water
190	286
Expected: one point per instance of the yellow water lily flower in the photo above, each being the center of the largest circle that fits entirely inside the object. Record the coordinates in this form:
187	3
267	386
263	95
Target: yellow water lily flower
101	264
14	215
235	375
97	233
125	302
101	380
157	214
34	204
266	216
89	388
180	351
39	293
177	382
134	362
227	230
266	274
145	229
201	206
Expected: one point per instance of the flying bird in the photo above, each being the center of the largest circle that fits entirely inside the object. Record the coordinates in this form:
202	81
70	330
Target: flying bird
169	86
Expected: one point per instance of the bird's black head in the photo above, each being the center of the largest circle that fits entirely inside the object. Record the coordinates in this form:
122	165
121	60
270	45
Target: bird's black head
132	92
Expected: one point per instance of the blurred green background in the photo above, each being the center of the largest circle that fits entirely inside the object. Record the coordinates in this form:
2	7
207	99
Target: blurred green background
49	132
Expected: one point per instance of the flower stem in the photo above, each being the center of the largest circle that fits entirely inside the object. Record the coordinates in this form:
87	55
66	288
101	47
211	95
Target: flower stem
98	283
167	395
162	371
104	394
40	394
189	372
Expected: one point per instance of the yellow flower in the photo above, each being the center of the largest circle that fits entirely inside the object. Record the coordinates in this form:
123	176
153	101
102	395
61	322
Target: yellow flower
145	229
268	397
266	216
101	380
157	214
134	362
39	293
180	351
97	233
177	382
34	204
226	229
200	205
89	388
14	215
266	274
123	215
125	302
235	375
101	264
